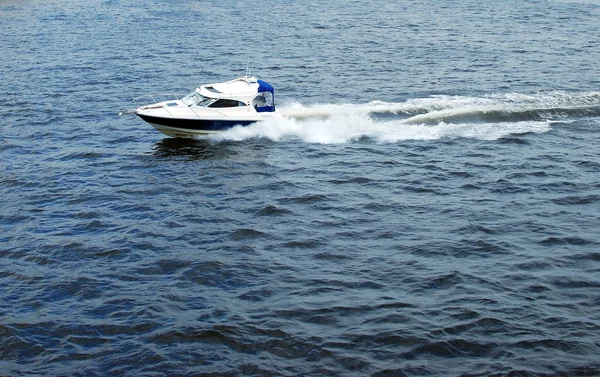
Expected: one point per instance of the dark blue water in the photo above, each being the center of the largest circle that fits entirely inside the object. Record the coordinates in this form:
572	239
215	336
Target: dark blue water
431	209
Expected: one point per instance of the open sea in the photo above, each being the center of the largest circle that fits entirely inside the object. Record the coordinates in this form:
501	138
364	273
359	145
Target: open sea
432	208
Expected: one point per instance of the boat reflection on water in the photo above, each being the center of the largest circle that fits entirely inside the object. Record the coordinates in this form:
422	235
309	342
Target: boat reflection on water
196	149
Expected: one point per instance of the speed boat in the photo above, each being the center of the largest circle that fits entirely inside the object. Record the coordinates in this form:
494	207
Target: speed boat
212	108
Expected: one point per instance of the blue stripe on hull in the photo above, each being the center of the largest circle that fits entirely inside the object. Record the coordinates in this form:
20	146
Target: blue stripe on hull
197	125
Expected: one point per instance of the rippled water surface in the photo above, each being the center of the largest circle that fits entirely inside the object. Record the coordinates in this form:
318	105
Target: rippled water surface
429	205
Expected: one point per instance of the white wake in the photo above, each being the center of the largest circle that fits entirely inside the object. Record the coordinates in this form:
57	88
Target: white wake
431	118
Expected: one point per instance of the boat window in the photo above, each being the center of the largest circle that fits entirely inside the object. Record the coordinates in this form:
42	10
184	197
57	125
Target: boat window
226	103
211	89
196	99
264	99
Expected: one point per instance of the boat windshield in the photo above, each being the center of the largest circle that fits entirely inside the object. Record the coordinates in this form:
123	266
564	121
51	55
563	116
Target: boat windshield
196	99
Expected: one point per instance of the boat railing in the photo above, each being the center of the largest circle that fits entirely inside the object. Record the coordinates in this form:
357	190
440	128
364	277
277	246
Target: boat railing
156	98
148	100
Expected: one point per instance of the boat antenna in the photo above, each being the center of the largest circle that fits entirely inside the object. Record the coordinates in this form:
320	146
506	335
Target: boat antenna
248	67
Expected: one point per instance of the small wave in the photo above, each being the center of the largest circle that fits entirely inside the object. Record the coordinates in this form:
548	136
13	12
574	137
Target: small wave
246	233
308	199
577	200
359	180
576	241
454	348
308	244
272	210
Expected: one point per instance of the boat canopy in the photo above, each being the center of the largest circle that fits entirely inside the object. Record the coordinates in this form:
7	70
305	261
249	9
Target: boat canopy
265	99
256	93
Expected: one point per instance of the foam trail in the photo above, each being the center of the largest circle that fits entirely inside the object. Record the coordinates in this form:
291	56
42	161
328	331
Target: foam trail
508	103
431	118
337	130
324	111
